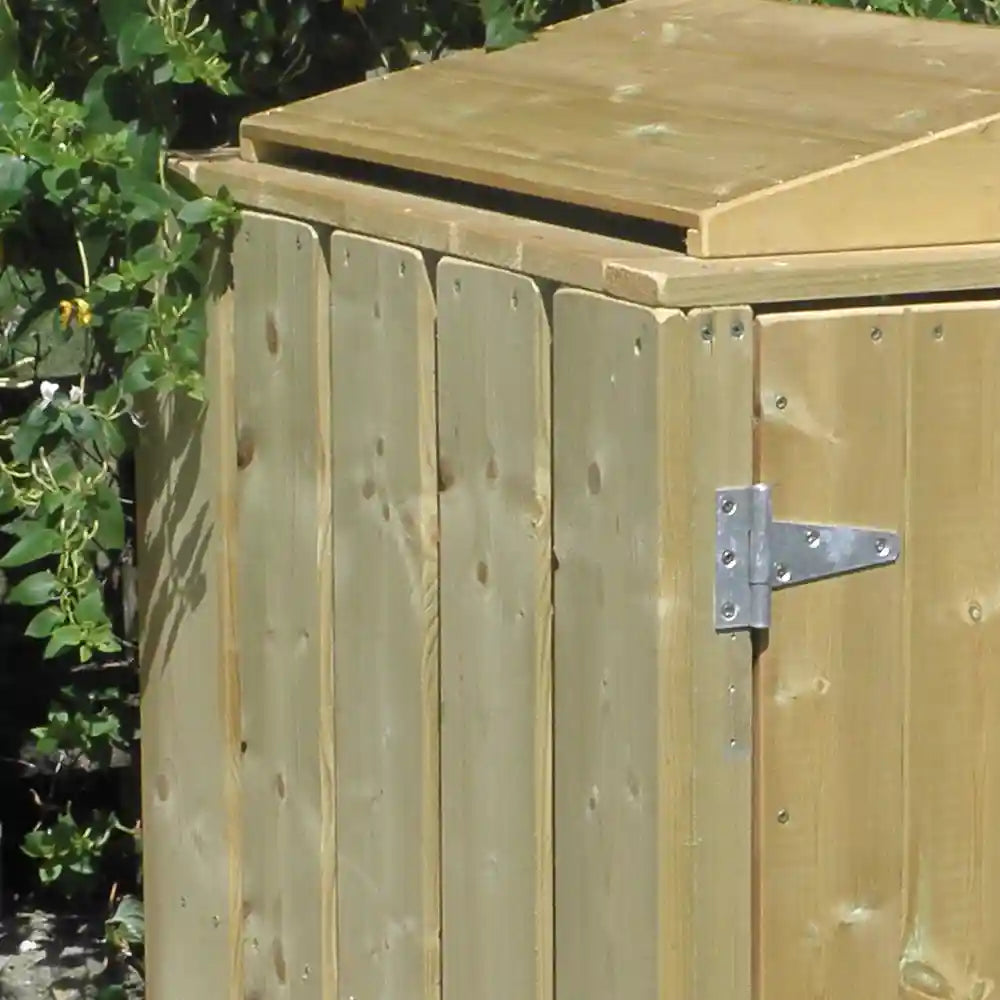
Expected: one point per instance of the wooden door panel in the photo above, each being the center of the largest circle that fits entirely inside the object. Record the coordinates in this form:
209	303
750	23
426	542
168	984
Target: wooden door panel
878	781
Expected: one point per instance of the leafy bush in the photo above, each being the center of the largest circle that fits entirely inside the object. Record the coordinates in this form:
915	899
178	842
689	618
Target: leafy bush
982	11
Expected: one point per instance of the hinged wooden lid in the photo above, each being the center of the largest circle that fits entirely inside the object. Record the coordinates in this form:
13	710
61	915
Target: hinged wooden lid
756	126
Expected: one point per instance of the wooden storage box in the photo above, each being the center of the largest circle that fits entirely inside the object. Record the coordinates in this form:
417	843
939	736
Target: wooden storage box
447	692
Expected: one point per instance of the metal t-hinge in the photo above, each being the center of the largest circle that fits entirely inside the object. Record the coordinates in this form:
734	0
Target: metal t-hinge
754	555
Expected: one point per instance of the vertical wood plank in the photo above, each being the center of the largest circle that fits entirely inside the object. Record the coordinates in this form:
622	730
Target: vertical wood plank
951	931
190	725
496	606
833	402
722	681
285	607
652	740
386	621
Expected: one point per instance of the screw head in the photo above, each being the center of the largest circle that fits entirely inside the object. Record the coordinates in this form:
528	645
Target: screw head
881	547
938	332
706	332
737	329
728	506
976	612
782	816
781	402
783	573
876	334
728	610
728	558
812	538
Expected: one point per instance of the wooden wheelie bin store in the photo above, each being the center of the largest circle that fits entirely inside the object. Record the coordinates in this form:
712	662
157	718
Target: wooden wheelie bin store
584	580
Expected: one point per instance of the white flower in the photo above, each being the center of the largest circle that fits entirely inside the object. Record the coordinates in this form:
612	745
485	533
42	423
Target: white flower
76	394
48	391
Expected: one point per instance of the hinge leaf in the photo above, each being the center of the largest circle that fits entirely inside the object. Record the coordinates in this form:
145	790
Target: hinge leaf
755	555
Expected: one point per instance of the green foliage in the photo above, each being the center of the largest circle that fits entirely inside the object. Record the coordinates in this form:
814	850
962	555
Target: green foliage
102	252
66	850
981	11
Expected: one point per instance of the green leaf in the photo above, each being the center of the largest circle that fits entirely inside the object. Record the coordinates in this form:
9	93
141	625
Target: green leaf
59	181
37	844
503	27
136	377
26	437
39	588
129	329
37	544
50	872
90	609
14	176
140	36
66	635
110	519
109	282
44	623
115	13
163	73
198	211
129	920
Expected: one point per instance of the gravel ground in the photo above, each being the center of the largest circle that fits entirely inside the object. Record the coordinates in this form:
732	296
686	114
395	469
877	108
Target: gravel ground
43	957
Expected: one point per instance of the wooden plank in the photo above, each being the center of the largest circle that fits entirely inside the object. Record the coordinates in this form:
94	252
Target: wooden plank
861	118
906	196
386	620
652	728
951	632
185	467
284	586
496	650
633	271
831	681
721	679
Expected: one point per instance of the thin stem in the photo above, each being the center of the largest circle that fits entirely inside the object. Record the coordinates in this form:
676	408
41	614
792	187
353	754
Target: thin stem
83	260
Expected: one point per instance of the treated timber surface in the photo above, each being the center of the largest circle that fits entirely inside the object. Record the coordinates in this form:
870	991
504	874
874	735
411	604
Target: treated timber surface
652	756
385	620
494	406
759	126
878	692
191	814
283	563
633	271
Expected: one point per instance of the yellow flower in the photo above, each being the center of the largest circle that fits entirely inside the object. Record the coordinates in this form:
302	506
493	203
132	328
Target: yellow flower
83	314
75	308
354	6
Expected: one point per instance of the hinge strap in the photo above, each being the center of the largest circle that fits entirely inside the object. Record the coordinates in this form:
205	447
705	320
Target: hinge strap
755	555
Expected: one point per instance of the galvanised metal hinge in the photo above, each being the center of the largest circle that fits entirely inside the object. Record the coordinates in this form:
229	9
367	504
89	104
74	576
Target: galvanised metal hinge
754	555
